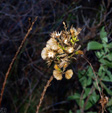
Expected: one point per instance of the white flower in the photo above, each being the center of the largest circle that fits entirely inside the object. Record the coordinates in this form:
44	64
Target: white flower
51	41
47	53
73	30
66	41
48	46
70	49
51	54
58	34
53	35
54	47
68	74
60	51
44	53
57	74
53	44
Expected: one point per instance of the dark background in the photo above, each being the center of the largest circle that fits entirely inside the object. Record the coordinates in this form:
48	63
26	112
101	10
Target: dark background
30	73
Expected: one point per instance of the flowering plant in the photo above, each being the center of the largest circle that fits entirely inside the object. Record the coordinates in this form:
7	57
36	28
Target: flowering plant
60	49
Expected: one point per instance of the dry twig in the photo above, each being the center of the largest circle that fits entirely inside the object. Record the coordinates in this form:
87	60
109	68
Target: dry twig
94	75
43	93
14	58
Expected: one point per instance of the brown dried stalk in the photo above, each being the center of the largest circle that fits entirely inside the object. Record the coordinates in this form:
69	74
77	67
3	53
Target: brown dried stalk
43	93
14	58
94	74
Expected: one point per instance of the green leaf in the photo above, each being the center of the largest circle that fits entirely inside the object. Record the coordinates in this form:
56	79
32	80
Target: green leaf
105	48
103	35
95	97
81	103
89	81
92	100
106	62
81	73
102	52
101	71
78	111
93	45
109	75
83	81
75	96
70	111
98	54
109	56
87	90
88	105
96	86
109	45
109	109
106	79
107	89
109	103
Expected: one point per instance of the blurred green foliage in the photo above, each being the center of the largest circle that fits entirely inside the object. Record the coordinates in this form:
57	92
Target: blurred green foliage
90	95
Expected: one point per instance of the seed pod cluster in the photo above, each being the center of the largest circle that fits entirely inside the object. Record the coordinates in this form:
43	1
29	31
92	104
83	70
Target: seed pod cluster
60	49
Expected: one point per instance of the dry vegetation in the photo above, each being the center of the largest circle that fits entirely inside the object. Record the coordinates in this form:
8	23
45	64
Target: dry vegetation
29	73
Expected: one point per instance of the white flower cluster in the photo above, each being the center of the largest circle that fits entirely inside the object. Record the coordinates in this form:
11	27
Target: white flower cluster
60	49
51	49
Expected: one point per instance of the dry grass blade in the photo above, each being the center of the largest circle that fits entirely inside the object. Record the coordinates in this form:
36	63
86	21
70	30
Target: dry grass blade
12	62
43	93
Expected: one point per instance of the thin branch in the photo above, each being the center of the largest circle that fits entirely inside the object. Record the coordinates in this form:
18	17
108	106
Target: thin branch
43	93
91	91
94	74
13	60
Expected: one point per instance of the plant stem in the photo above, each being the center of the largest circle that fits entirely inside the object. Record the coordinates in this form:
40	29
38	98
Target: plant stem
43	93
13	60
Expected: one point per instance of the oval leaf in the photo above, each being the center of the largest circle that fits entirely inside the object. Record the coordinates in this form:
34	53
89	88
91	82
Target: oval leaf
103	35
93	45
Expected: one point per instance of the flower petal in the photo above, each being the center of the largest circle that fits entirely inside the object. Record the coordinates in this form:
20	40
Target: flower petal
70	49
57	75
44	53
68	74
